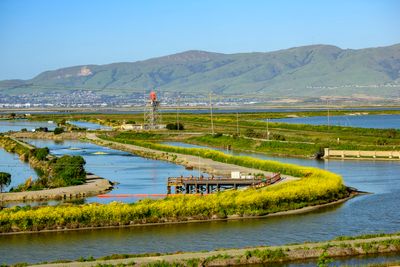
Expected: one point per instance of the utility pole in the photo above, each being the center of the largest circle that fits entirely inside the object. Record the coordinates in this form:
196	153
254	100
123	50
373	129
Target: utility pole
237	123
144	108
177	114
211	111
199	166
327	105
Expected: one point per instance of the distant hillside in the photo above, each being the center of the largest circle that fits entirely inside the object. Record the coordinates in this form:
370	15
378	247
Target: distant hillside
308	71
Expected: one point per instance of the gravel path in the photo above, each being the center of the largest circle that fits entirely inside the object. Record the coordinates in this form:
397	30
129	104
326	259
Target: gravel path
312	251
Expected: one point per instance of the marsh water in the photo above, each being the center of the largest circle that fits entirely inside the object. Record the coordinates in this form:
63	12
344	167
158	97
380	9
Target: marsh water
363	121
372	213
18	125
20	171
90	125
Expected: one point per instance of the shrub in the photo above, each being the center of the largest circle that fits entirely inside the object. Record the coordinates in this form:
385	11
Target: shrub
69	170
42	129
58	130
279	137
175	126
40	153
250	133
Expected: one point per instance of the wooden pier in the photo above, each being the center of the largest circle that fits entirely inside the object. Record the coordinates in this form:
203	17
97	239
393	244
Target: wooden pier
208	185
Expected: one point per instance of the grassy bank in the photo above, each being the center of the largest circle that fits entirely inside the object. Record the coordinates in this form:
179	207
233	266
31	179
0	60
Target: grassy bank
321	253
265	165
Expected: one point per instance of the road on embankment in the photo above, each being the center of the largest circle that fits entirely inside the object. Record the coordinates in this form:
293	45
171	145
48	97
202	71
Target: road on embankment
243	256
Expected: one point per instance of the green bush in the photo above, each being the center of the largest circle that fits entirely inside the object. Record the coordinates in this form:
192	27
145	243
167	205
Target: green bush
68	170
175	126
40	153
58	130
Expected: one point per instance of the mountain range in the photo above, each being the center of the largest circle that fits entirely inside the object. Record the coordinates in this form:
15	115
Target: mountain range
307	71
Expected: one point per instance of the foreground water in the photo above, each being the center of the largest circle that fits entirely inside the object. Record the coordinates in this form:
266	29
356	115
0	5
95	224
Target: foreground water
365	121
377	212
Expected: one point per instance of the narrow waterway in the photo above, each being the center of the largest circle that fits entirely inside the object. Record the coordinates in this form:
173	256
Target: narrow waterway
90	125
18	125
20	171
363	121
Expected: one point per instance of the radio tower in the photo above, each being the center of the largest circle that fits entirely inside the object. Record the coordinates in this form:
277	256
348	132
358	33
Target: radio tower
152	114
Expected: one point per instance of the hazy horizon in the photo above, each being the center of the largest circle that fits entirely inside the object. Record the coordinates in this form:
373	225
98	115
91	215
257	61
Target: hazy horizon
47	35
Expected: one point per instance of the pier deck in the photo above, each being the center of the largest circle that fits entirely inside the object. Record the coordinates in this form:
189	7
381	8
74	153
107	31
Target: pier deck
207	185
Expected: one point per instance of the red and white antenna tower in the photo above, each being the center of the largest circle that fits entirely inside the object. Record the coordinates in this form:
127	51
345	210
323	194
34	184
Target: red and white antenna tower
152	113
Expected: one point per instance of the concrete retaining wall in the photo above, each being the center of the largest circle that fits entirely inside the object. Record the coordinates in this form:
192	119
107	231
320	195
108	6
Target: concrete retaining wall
329	153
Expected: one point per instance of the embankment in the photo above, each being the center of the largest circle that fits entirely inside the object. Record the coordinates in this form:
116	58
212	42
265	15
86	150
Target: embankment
93	186
361	154
50	135
255	255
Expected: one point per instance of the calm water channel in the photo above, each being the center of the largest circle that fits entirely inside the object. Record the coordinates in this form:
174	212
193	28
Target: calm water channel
17	125
90	125
377	212
365	121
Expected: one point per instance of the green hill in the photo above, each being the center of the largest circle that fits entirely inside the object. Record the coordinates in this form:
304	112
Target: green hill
307	71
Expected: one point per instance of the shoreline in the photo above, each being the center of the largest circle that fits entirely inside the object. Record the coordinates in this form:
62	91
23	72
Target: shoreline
93	186
228	218
358	246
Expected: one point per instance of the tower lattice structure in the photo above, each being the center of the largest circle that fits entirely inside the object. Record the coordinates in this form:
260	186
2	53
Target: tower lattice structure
152	113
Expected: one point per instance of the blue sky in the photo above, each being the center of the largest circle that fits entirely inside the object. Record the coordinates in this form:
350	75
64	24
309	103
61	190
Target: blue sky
48	34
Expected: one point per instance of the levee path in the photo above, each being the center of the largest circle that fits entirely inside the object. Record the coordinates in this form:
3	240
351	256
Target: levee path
243	256
93	186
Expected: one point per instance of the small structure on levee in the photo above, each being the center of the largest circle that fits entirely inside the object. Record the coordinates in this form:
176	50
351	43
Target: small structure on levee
152	116
208	185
